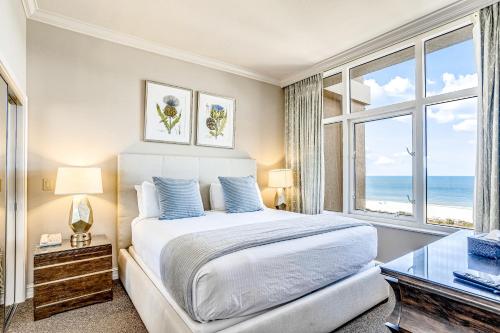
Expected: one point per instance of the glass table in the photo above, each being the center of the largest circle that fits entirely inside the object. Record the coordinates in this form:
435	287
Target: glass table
430	299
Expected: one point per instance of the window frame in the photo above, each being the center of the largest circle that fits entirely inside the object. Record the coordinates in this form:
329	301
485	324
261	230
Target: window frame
417	109
352	166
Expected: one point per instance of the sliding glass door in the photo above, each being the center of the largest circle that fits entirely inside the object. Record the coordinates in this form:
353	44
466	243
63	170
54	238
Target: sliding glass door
4	105
10	193
8	190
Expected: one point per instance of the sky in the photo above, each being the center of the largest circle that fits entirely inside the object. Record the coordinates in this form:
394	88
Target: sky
451	127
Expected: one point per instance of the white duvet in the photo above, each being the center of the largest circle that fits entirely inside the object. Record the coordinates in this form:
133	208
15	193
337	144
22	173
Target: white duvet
255	279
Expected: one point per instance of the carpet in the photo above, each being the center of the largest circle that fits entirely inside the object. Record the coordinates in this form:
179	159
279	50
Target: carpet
119	316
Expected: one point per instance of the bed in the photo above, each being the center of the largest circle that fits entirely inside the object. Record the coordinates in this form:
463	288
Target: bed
344	256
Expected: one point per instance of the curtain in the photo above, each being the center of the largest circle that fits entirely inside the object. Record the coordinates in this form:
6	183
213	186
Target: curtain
304	144
487	206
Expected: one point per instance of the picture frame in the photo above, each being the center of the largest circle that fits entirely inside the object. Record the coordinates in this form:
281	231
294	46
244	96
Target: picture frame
215	121
168	111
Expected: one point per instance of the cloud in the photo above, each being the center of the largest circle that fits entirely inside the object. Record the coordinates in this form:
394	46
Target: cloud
401	154
397	87
467	125
451	82
466	116
448	112
454	83
379	159
376	90
442	113
384	160
402	88
369	155
456	110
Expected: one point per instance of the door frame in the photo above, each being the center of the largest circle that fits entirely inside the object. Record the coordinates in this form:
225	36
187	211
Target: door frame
21	98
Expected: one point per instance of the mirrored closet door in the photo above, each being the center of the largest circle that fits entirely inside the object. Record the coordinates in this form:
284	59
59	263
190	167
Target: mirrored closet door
8	134
4	104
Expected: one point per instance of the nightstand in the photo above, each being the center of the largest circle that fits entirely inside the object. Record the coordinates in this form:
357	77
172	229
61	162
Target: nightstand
67	277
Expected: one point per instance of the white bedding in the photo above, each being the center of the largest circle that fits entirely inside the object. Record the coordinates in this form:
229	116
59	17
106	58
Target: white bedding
248	281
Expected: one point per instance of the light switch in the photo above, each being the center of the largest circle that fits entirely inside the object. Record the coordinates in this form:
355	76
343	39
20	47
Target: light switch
47	185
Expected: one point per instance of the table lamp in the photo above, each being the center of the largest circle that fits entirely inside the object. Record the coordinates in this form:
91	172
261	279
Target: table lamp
79	182
280	179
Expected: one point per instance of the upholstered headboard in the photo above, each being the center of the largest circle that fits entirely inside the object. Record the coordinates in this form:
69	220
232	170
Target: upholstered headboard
133	169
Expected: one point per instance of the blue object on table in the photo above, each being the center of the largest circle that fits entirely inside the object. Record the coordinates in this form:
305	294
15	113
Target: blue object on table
477	281
483	264
480	246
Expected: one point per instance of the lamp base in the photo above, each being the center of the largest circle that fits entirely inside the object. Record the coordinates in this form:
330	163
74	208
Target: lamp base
281	207
81	238
80	219
280	199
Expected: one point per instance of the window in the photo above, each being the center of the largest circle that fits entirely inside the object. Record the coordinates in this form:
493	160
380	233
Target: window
400	139
449	62
451	151
383	168
384	81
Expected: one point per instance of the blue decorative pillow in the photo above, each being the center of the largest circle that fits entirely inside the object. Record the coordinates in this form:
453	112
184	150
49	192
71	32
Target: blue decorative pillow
240	194
179	198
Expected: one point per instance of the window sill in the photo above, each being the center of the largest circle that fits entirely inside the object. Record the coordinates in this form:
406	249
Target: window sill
421	230
403	225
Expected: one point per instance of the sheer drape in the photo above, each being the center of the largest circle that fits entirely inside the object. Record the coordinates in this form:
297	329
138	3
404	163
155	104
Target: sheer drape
304	144
487	207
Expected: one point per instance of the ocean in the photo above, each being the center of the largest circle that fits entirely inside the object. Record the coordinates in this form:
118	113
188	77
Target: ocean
441	190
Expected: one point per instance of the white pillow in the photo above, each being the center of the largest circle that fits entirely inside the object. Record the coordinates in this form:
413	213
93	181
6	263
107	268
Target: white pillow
147	200
217	196
138	189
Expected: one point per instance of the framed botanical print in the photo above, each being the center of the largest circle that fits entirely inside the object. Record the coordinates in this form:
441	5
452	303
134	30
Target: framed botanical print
168	112
215	121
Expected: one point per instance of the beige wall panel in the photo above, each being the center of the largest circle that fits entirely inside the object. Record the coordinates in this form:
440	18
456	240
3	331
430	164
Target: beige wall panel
86	106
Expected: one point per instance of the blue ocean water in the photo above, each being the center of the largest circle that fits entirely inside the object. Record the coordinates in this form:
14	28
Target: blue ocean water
441	190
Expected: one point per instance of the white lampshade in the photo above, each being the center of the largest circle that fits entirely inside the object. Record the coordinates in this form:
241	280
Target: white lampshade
78	181
280	178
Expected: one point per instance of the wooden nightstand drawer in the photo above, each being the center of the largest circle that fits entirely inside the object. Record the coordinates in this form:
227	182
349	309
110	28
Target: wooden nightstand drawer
71	269
53	292
68	277
52	258
48	310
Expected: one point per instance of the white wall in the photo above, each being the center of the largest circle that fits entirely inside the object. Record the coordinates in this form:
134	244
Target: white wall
13	41
393	243
86	106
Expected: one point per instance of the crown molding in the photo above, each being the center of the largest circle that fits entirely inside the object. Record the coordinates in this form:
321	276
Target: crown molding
431	21
30	7
33	12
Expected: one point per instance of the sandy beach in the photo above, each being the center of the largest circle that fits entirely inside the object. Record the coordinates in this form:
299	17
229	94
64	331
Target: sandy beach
433	211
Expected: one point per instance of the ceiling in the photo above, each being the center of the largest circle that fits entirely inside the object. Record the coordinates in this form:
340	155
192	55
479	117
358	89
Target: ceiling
270	40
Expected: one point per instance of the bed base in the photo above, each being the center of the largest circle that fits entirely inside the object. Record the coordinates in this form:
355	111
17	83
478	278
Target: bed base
321	311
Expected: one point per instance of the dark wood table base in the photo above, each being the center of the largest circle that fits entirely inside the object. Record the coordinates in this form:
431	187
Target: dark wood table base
423	308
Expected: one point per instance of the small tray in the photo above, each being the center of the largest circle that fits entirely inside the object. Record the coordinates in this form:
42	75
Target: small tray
480	246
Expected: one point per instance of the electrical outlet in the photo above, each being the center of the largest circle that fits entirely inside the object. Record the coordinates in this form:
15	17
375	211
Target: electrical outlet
47	185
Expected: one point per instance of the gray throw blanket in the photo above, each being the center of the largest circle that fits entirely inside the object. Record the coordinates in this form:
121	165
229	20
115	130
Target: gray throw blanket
183	256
